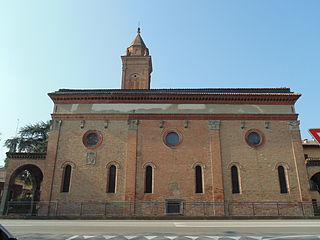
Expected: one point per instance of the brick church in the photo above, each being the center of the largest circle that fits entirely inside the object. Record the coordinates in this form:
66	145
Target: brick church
153	152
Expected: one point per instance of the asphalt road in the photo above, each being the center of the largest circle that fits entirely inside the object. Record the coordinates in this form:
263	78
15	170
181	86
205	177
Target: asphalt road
163	229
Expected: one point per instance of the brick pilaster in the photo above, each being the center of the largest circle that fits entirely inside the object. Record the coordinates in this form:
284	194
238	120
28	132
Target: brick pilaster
300	167
52	150
216	165
131	162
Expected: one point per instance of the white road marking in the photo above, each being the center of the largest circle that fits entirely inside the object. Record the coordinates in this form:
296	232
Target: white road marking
17	225
73	237
130	237
143	224
171	237
192	237
109	236
213	237
246	224
291	236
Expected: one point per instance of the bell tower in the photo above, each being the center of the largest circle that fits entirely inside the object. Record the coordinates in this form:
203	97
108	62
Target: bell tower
136	65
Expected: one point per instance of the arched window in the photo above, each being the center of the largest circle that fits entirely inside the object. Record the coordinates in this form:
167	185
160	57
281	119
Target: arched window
313	185
112	179
199	186
66	179
315	182
235	180
148	182
282	180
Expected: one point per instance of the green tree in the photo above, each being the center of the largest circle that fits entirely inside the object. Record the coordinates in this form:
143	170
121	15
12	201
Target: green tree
31	138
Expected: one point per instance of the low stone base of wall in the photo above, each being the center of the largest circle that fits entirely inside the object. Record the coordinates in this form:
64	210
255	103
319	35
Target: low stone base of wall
160	209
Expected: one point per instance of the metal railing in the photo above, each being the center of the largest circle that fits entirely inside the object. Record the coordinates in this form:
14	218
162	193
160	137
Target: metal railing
158	209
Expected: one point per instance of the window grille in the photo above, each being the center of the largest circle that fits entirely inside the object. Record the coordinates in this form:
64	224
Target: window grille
174	207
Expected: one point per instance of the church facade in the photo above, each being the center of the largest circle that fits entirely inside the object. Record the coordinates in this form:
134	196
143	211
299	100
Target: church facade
155	152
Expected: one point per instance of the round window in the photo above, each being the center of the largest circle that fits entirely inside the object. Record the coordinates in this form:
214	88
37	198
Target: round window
172	139
92	139
254	139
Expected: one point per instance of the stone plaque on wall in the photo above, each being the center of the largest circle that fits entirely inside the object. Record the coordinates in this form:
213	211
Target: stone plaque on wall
91	158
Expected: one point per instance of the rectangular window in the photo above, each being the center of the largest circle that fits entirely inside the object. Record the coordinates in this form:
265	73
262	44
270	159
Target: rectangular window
174	207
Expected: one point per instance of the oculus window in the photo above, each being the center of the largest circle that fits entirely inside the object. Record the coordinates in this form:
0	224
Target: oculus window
172	139
92	139
254	138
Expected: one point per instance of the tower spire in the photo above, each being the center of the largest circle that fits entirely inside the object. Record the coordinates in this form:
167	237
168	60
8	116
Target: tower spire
137	46
136	65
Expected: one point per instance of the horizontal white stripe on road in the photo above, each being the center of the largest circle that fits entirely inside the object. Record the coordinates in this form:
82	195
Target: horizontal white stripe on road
165	224
299	237
247	224
18	225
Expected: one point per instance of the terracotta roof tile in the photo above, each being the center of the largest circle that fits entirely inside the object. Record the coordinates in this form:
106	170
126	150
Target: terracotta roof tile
179	91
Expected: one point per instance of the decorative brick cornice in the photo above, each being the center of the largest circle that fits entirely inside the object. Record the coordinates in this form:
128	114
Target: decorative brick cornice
26	155
93	116
229	96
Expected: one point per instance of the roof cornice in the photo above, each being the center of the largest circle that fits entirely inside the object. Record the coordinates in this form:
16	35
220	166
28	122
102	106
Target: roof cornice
33	155
178	96
95	116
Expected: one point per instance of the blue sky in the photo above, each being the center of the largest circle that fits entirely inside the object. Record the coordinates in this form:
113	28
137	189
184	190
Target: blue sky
47	45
